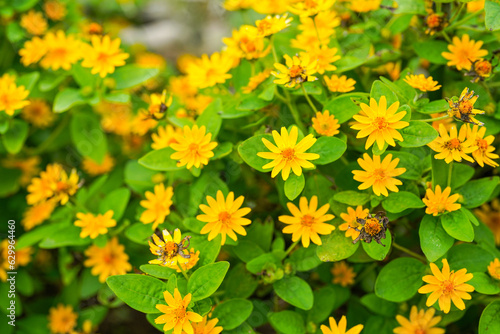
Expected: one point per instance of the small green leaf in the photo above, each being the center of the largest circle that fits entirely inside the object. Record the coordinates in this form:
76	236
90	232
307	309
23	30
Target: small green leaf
139	233
434	240
66	236
67	98
305	259
484	284
222	150
232	313
160	160
400	201
410	7
343	107
249	148
207	279
294	186
457	225
380	89
211	119
328	148
117	201
251	103
469	256
88	137
477	192
336	247
417	134
492	15
131	75
432	50
157	270
295	291
247	250
377	251
489	323
260	262
379	306
434	107
410	162
352	198
287	322
15	136
28	80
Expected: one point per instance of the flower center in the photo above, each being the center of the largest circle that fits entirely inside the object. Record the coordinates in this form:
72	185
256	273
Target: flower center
307	220
311	4
170	250
225	217
62	186
453	144
433	21
102	57
482	144
264	26
108	258
379	174
419	331
448	287
180	314
380	123
372	226
465	107
325	126
59	52
193	147
295	71
288	154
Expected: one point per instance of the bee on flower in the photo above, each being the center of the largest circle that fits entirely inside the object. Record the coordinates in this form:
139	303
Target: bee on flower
462	109
158	106
351	221
297	70
170	251
372	228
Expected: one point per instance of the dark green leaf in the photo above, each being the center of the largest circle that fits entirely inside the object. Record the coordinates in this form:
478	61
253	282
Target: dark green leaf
343	107
380	89
287	322
294	186
15	136
88	137
457	225
68	98
351	197
67	236
379	306
117	201
131	75
417	134
377	251
434	240
295	291
328	148
211	119
336	247
207	279
249	148
477	192
232	313
400	201
469	256
434	107
431	50
489	323
484	284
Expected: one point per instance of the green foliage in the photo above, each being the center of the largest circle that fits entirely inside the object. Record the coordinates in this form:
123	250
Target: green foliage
207	279
140	292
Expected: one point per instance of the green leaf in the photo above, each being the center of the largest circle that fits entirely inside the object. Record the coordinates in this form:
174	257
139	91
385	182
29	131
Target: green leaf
377	251
417	134
15	136
379	306
295	291
50	81
211	118
239	283
10	181
400	201
260	262
139	233
252	102
410	7
434	240
400	279
305	259
380	89
411	162
247	250
336	247
131	75
222	150
67	98
460	175
477	192
434	107
88	137
328	148
431	50
157	270
160	160
294	186
469	256
324	302
207	279
249	148
351	197
28	80
287	322
117	201
32	237
484	284
23	5
232	313
117	97
489	323
83	76
67	236
492	15
140	292
14	32
343	107
457	225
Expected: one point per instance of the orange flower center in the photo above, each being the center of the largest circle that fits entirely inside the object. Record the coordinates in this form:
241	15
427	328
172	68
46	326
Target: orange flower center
170	250
453	144
433	21
482	144
295	71
465	107
379	174
307	220
310	4
448	287
102	57
288	154
380	123
420	331
225	217
109	258
193	147
264	26
62	186
180	314
59	52
372	226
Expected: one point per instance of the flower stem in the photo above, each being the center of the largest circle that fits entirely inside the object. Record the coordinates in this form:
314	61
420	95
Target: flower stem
409	252
294	112
465	19
433	119
275	56
450	171
445	35
317	31
308	99
292	246
182	271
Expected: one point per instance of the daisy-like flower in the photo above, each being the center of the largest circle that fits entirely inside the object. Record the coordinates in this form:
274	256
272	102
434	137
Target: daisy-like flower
489	214
474	6
325	56
341	328
296	71
157	205
194	257
246	43
378	175
170	250
53	183
310	8
93	168
209	71
271	25
446	287
288	155
307	221
107	261
207	326
453	147
494	269
194	147
379	123
422	83
23	257
342	274
62	51
420	322
255	81
340	84
55	10
351	221
463	52
92	226
37	214
438	202
34	23
62	319
104	55
316	30
326	124
165	137
484	152
38	113
463	108
32	51
159	105
177	316
12	97
372	228
224	217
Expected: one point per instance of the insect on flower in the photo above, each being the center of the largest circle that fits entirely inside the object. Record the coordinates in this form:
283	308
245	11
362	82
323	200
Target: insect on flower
463	108
372	227
170	251
158	106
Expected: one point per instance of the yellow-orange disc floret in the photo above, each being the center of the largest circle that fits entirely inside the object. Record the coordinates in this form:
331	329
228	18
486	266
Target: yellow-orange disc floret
455	146
194	147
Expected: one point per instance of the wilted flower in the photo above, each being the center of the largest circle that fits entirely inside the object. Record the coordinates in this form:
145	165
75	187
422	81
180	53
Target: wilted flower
463	108
372	227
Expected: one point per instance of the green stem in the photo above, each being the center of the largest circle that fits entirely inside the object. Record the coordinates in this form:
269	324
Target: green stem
252	67
445	35
438	7
182	271
308	99
294	112
462	5
53	136
465	19
275	55
317	31
448	184
78	206
433	119
409	252
292	246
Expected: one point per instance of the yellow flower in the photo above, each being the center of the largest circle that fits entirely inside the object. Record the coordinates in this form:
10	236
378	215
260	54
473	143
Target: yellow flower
308	221
165	137
351	222
38	113
296	71
341	328
494	269
453	147
340	84
23	257
207	326
194	257
193	147
62	319
379	123
481	69
170	251
255	81
150	60
181	87
34	23
342	274
271	25
325	124
207	72
316	30
37	214
232	5
176	316
107	261
55	10
32	51
484	152
246	43
53	183
310	7
271	6
422	83
420	322
287	154
447	286
92	226
12	97
463	109
158	105
363	6
490	216
157	205
325	56
378	175
463	52
438	202
104	55
62	51
224	217
474	6
93	168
